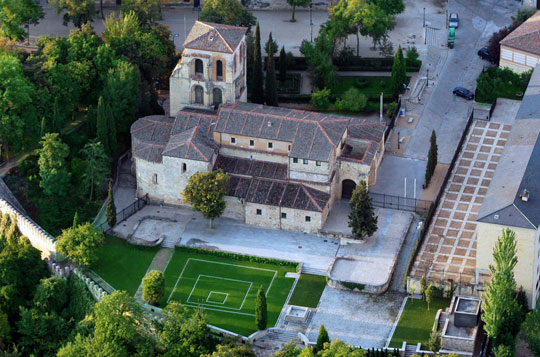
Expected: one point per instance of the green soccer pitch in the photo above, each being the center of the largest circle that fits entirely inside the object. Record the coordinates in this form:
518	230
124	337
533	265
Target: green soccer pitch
225	289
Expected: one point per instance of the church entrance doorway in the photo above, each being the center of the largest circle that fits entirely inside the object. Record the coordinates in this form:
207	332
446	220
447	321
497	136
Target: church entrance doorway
347	188
218	99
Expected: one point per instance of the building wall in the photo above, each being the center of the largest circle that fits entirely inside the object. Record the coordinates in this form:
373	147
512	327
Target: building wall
231	151
261	145
307	170
269	217
516	60
526	271
234	208
350	170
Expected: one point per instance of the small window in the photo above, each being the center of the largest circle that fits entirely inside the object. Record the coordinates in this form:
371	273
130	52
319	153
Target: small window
305	162
270	145
252	143
184	167
295	160
154	178
259	212
283	215
308	219
318	163
233	140
289	148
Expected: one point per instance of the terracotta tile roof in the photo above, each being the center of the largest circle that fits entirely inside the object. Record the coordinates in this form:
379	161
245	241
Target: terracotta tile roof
191	144
526	37
214	37
365	130
278	193
248	167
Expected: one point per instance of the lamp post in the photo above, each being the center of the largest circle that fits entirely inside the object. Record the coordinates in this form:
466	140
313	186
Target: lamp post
311	20
427	74
398	140
424	17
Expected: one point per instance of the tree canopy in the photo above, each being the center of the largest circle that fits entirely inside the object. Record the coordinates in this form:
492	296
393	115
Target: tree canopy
14	13
146	10
78	12
52	165
205	192
79	244
362	219
228	12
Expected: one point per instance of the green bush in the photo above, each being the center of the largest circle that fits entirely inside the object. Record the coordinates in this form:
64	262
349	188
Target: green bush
392	107
500	83
352	101
412	55
239	257
361	84
321	99
153	287
352	286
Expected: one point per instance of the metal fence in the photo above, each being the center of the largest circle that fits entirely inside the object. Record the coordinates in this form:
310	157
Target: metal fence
127	212
392	121
400	203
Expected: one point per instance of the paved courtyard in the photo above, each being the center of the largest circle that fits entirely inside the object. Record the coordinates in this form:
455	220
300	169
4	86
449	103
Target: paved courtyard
449	250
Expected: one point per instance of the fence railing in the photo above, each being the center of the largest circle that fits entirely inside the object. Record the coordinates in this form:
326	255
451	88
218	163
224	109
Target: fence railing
400	203
392	121
126	212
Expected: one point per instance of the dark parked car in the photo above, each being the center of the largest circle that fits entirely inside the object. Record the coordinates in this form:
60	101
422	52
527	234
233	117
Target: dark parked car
464	93
483	53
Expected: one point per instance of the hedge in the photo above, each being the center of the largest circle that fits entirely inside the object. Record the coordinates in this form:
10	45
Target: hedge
352	286
239	257
364	64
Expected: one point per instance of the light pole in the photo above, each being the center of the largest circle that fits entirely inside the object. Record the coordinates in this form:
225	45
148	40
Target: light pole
427	74
311	19
424	17
398	140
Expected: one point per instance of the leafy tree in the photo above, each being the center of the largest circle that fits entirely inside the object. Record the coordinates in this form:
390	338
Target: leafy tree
432	158
503	351
362	218
271	85
430	294
531	331
295	3
52	165
261	317
51	295
102	129
205	191
502	313
232	350
77	11
282	65
322	338
257	95
111	126
41	333
318	56
424	285
321	99
153	287
111	207
5	331
392	7
523	14
186	334
79	244
288	350
399	72
98	166
146	10
18	120
352	101
339	348
14	13
434	343
228	12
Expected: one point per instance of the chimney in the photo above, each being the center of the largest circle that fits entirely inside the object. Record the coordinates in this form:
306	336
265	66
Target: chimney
525	196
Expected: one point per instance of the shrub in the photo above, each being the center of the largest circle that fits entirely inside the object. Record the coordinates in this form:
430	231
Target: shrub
321	99
412	55
153	287
531	331
392	107
353	101
361	84
503	351
352	286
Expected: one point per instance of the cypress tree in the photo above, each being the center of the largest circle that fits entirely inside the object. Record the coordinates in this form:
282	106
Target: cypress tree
261	318
91	121
322	338
362	218
111	208
258	90
57	119
75	219
43	127
399	72
102	132
432	158
111	125
282	65
271	86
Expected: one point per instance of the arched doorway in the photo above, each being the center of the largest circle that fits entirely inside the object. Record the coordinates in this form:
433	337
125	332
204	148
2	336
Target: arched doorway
217	95
219	70
199	95
347	188
199	67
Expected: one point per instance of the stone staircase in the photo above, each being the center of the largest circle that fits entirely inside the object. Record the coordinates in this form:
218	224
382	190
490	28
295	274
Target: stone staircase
283	336
169	242
313	271
410	350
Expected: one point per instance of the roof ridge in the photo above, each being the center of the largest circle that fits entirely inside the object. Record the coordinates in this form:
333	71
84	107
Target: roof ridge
224	40
523	214
311	197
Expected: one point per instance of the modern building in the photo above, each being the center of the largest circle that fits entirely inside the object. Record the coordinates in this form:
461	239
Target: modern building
513	197
286	166
520	50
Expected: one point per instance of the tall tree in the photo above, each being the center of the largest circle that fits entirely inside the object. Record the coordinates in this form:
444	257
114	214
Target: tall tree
399	72
111	127
502	313
282	65
319	58
271	86
205	192
98	166
14	13
294	4
111	207
79	244
53	172
362	218
78	12
257	95
434	342
430	295
392	7
261	317
153	285
147	11
102	126
432	158
228	12
322	338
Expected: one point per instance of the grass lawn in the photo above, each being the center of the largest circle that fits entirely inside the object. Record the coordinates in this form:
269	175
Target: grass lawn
371	86
225	288
416	322
308	291
123	265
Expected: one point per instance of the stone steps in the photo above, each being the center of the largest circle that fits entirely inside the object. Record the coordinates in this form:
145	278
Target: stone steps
313	271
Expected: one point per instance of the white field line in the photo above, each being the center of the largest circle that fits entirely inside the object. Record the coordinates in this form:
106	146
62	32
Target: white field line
219	310
217	277
216	293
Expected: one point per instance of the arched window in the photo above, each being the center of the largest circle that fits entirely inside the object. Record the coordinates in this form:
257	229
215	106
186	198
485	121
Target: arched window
184	167
217	94
219	70
199	94
198	67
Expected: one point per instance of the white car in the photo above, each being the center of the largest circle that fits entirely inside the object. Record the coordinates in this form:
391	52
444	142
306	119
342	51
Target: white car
453	20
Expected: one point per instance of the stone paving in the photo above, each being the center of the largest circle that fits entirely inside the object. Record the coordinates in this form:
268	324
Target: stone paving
449	251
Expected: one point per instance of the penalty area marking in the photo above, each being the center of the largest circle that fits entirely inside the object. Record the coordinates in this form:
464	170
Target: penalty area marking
217	277
208	300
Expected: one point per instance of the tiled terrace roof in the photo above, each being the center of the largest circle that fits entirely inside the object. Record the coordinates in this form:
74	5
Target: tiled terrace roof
214	37
249	167
526	37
